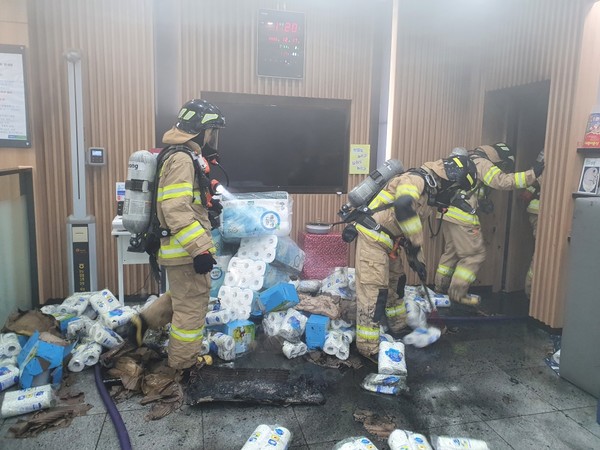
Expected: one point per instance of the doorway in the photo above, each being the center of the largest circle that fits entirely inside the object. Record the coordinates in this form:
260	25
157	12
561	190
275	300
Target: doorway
517	116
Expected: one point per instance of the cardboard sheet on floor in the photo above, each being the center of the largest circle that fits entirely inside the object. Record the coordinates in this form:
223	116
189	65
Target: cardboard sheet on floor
261	386
376	424
325	305
28	322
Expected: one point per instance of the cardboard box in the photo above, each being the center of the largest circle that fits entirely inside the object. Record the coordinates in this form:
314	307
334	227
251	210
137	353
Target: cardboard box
243	333
41	360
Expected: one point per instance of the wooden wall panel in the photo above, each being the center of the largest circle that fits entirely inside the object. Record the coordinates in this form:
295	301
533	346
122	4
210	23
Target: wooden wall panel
115	40
219	53
484	48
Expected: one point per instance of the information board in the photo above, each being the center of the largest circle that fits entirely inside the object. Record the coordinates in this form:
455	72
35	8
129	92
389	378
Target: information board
280	44
14	123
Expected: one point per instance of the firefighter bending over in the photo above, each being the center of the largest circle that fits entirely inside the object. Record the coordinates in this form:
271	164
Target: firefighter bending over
464	249
380	278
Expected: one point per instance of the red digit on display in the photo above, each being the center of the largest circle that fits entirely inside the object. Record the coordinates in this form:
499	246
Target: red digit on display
294	27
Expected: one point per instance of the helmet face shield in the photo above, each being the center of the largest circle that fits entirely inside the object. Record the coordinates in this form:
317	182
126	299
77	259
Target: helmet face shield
211	138
460	172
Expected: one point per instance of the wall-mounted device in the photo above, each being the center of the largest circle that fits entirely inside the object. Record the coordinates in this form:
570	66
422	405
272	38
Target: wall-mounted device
96	156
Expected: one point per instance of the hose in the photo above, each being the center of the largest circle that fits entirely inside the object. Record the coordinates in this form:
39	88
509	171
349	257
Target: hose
114	414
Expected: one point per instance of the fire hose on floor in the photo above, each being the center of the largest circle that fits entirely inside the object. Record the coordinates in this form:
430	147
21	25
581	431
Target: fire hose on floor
112	410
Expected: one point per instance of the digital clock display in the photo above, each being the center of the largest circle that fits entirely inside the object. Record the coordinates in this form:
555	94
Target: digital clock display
280	44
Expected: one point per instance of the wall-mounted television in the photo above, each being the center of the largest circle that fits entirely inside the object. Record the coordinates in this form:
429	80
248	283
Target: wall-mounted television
293	144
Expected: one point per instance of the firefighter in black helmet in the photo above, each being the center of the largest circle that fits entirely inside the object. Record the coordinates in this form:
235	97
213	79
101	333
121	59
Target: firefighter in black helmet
380	278
464	249
183	209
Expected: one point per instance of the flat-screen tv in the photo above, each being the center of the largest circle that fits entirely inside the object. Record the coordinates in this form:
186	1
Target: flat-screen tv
276	143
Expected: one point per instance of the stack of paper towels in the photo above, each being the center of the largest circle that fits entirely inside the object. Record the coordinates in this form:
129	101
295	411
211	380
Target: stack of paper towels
256	214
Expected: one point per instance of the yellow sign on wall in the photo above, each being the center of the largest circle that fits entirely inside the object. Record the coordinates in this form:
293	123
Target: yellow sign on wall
359	159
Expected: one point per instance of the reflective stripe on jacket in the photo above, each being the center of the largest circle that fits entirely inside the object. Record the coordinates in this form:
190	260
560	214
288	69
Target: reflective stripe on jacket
180	210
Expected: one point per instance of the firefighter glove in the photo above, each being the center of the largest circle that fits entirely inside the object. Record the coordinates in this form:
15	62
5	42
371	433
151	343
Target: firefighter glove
538	168
204	263
419	267
216	206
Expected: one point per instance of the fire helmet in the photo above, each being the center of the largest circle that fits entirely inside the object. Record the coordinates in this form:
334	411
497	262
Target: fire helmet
197	115
461	171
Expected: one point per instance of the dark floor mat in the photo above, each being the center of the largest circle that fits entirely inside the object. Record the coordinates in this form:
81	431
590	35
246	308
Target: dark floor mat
261	386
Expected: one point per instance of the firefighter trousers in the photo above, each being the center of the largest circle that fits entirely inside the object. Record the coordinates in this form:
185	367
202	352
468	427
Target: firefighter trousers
377	275
533	219
464	252
184	306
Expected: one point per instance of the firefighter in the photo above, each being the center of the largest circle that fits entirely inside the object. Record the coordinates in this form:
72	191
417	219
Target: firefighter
464	249
182	208
533	209
380	278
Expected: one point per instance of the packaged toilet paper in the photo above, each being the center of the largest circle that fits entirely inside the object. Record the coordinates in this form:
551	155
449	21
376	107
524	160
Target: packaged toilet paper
256	214
457	443
9	376
385	384
280	251
27	400
355	443
294	349
407	440
391	358
9	345
267	437
422	337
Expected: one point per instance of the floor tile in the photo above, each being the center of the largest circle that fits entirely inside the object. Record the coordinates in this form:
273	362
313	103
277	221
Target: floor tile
429	404
181	430
447	359
586	417
494	395
551	388
227	426
334	420
474	430
83	433
547	430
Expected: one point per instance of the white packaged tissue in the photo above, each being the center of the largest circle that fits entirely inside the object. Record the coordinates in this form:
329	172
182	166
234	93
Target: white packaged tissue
391	358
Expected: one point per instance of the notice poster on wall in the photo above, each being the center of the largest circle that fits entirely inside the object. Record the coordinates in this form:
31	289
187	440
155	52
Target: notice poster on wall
14	127
359	159
590	176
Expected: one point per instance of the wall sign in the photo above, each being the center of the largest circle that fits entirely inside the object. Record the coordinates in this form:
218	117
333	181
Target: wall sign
280	44
14	123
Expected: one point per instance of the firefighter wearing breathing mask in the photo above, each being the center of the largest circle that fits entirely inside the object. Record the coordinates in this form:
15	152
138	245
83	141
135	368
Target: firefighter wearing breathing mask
464	249
380	278
183	203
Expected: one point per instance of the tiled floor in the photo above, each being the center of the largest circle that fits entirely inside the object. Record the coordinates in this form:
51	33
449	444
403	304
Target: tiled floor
485	380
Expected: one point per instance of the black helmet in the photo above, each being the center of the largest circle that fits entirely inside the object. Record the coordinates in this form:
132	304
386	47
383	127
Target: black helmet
461	172
197	115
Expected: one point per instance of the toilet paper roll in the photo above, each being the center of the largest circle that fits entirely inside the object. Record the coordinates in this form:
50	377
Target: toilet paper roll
76	363
293	350
272	322
218	317
204	348
105	336
9	376
8	361
92	354
343	352
337	324
9	345
49	309
391	358
27	400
